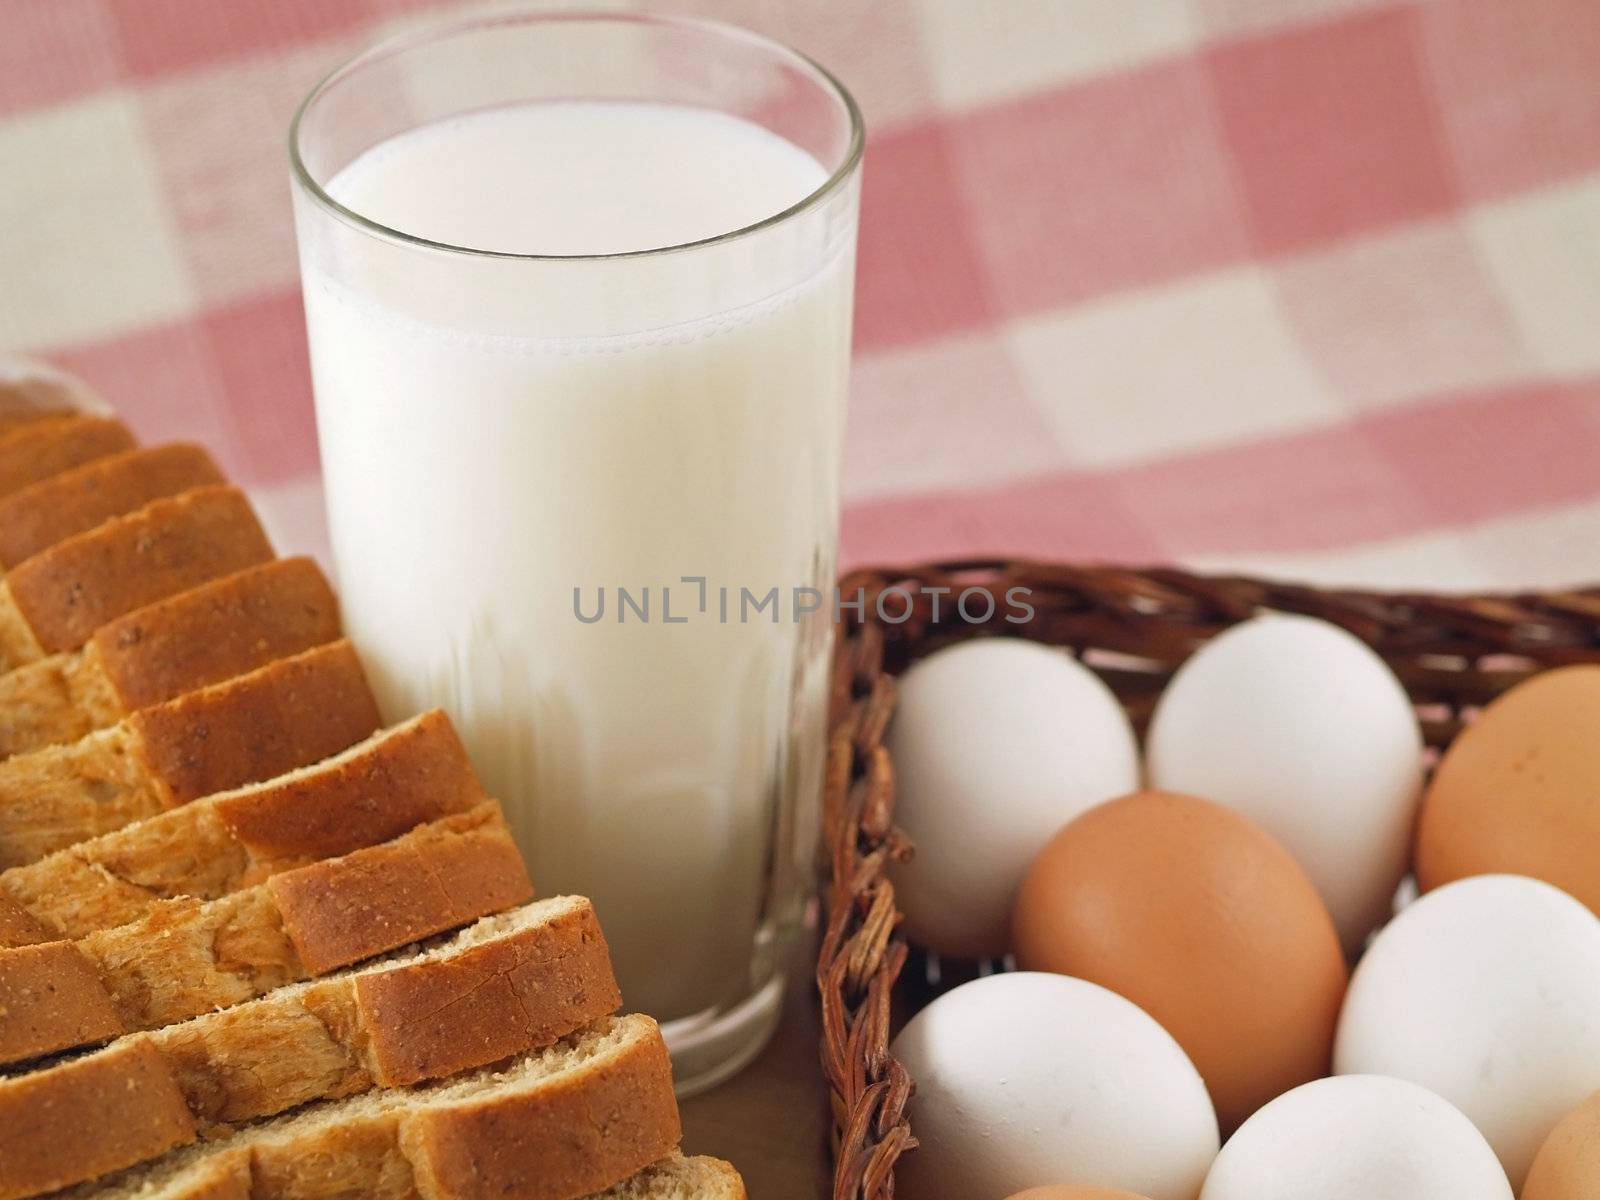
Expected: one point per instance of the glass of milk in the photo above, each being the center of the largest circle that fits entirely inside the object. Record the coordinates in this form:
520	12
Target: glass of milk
578	290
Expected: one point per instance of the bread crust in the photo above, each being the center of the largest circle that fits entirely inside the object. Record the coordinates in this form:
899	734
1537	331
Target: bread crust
163	549
214	632
510	994
313	1043
403	777
87	1118
278	718
39	449
50	995
54	509
443	875
185	956
422	769
567	1140
19	927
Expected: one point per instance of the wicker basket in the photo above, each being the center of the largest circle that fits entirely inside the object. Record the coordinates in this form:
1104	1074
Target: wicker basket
1134	627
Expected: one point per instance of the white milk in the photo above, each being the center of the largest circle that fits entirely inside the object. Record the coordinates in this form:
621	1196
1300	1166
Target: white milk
492	443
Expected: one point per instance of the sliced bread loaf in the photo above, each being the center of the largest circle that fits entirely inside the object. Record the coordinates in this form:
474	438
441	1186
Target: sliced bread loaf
186	956
203	636
227	1176
40	449
54	509
506	985
56	600
397	779
281	717
557	1124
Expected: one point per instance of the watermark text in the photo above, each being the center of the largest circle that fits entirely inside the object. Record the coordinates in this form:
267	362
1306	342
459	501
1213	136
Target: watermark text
696	598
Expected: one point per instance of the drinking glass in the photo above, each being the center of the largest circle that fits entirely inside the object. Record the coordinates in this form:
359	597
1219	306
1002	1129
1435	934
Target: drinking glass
588	502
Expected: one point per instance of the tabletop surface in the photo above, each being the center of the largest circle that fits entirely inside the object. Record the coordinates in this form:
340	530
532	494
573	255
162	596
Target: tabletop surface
771	1121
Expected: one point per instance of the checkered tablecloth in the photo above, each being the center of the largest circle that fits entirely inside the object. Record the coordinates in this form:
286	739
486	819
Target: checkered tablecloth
1310	286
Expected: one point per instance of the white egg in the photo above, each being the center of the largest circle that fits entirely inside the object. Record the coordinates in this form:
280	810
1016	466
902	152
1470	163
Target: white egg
996	744
1357	1137
1026	1079
1298	725
1486	991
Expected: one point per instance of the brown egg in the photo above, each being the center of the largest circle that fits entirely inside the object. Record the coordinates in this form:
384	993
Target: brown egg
1568	1164
1519	790
1202	919
1074	1192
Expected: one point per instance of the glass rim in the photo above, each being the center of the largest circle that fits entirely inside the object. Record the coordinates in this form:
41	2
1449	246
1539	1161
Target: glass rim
433	31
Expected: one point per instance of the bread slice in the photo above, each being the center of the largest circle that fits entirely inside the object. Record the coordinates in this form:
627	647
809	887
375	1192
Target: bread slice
186	956
557	1124
40	449
220	630
32	391
57	599
680	1178
54	509
281	717
397	779
508	984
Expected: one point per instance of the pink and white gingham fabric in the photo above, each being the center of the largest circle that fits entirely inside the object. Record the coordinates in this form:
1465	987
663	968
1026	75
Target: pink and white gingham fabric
1308	286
